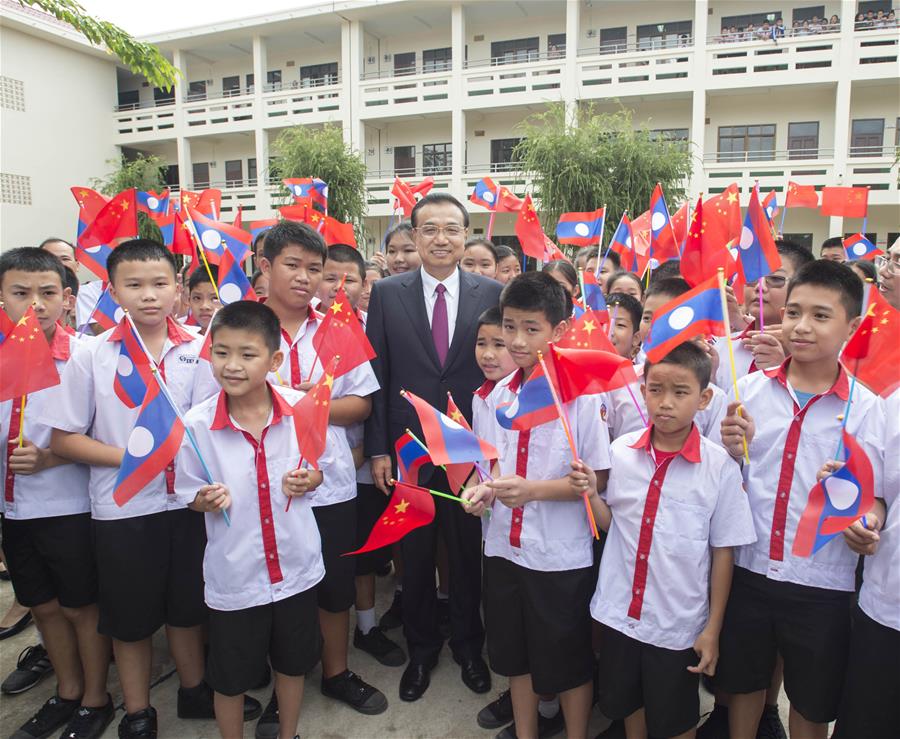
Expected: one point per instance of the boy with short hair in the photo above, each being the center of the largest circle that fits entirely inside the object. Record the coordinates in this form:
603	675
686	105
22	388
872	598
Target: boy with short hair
150	550
46	519
260	571
833	250
790	417
294	260
203	297
672	496
537	552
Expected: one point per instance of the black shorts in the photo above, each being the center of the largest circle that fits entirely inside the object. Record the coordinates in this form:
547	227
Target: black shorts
636	675
337	529
539	623
370	504
809	627
51	558
151	573
870	706
285	632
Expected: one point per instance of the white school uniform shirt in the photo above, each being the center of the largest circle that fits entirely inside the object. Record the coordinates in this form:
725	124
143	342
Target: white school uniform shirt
547	536
879	596
790	446
86	300
85	403
355	433
451	298
744	362
654	574
300	365
267	554
484	426
58	491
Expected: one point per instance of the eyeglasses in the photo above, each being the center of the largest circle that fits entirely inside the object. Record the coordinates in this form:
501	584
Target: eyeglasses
890	265
773	282
453	231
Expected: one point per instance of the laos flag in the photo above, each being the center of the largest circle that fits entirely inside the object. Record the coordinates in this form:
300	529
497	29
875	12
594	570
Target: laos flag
532	406
448	442
133	372
659	221
214	236
757	253
697	312
836	501
156	206
309	187
859	247
233	282
107	313
592	299
623	244
581	229
411	455
152	445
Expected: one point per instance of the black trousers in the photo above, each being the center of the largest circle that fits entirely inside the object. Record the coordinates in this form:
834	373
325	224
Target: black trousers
462	533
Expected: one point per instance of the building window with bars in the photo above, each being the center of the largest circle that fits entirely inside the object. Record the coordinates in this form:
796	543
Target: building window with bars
746	143
437	159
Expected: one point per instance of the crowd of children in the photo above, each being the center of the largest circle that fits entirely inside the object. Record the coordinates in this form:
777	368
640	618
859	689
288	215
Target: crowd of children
697	483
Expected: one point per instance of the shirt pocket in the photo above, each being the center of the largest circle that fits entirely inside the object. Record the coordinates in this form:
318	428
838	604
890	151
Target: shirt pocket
276	468
683	527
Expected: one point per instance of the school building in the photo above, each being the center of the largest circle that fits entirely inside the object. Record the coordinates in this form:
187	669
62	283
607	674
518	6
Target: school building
427	87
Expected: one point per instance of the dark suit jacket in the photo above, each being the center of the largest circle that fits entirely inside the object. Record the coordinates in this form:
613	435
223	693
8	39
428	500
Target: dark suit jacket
397	326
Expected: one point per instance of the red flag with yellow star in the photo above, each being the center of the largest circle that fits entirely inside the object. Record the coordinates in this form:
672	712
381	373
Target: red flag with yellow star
801	196
311	417
529	231
26	349
703	253
723	216
116	221
873	353
457	474
341	334
588	331
849	202
410	507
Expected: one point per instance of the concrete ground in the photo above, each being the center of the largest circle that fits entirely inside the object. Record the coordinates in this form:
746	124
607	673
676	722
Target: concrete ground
448	708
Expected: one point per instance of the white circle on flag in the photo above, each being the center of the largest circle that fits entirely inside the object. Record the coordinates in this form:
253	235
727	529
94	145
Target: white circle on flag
734	253
229	293
841	492
628	241
124	366
211	239
653	263
140	443
298	190
746	238
681	317
119	314
859	248
94	249
582	229
450	423
488	195
657	220
513	408
152	203
325	191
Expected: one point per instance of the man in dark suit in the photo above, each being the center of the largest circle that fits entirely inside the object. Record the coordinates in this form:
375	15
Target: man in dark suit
422	325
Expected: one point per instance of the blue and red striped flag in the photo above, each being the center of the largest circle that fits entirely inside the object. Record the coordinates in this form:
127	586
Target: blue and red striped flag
532	406
581	229
214	236
697	312
107	313
133	367
158	208
233	282
757	252
623	244
660	250
411	455
448	441
257	227
499	199
859	247
308	187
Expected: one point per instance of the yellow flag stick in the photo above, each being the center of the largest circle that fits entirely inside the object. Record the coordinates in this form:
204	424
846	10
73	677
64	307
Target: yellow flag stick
727	321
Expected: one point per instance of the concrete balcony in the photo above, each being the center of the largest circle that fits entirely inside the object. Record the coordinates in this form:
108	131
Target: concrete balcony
415	92
222	114
773	170
626	70
500	82
134	123
877	169
875	54
298	104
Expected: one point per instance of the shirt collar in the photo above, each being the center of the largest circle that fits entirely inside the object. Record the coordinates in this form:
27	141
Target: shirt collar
747	329
516	382
429	283
841	386
60	347
176	333
222	419
690	450
486	389
313	317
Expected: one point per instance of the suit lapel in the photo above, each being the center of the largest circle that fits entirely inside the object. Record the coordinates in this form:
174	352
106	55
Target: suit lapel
466	311
413	299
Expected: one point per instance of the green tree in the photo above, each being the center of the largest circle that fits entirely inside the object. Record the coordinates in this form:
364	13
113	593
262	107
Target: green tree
140	58
143	173
601	159
321	152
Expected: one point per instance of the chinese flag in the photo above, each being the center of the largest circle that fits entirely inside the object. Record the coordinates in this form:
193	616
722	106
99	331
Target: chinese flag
668	243
90	203
849	202
115	222
182	240
801	196
238	219
27	350
588	331
703	252
457	474
405	198
208	202
529	231
338	232
410	507
723	217
301	211
341	335
873	353
589	371
311	417
640	237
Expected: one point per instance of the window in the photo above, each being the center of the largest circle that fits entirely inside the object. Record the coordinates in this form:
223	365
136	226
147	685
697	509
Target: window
613	40
319	74
201	175
669	134
436	159
405	63
807	14
663	35
249	82
437	60
757	19
502	158
197	90
802	239
867	137
231	85
517	50
163	97
273	79
746	143
129	99
171	175
556	45
251	171
234	172
404	160
803	140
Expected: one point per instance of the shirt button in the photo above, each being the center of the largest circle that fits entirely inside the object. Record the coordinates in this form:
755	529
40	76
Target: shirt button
521	450
790	456
637	591
265	520
656	482
782	494
263	485
271	556
643	556
647	520
777	533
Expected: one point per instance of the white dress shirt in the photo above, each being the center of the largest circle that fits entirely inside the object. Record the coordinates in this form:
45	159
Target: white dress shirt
451	297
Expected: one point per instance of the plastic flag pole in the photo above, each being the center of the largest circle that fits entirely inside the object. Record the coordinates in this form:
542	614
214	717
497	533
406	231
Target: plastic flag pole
612	321
581	286
22	422
783	213
490	229
727	321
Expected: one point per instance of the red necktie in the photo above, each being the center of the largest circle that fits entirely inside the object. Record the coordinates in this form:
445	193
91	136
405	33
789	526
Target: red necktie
440	331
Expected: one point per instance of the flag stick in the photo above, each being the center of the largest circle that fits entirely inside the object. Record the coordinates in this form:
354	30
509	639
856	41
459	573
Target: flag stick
482	472
165	391
22	422
568	431
438	493
316	357
602	226
727	321
606	253
636	404
865	221
291	498
581	287
783	213
612	320
201	250
490	230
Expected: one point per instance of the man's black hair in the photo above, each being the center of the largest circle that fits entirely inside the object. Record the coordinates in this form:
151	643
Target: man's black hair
491	317
292	233
504	252
670	287
585	254
486	243
435	198
687	355
669	268
54	239
627	304
402	227
537	291
138	250
32	259
346	254
867	267
797	253
72	281
834	242
260	238
622	274
612	257
834	276
372	265
250	316
199	276
255	277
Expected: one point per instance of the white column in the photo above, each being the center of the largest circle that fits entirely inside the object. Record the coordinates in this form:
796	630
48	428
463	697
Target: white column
570	88
699	77
351	66
842	101
260	134
182	144
457	96
259	73
185	167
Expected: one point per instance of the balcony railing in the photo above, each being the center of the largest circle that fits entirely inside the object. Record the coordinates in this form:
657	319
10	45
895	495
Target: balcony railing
768	155
526	56
442	65
144	104
632	44
302	84
874	152
386	94
767	35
